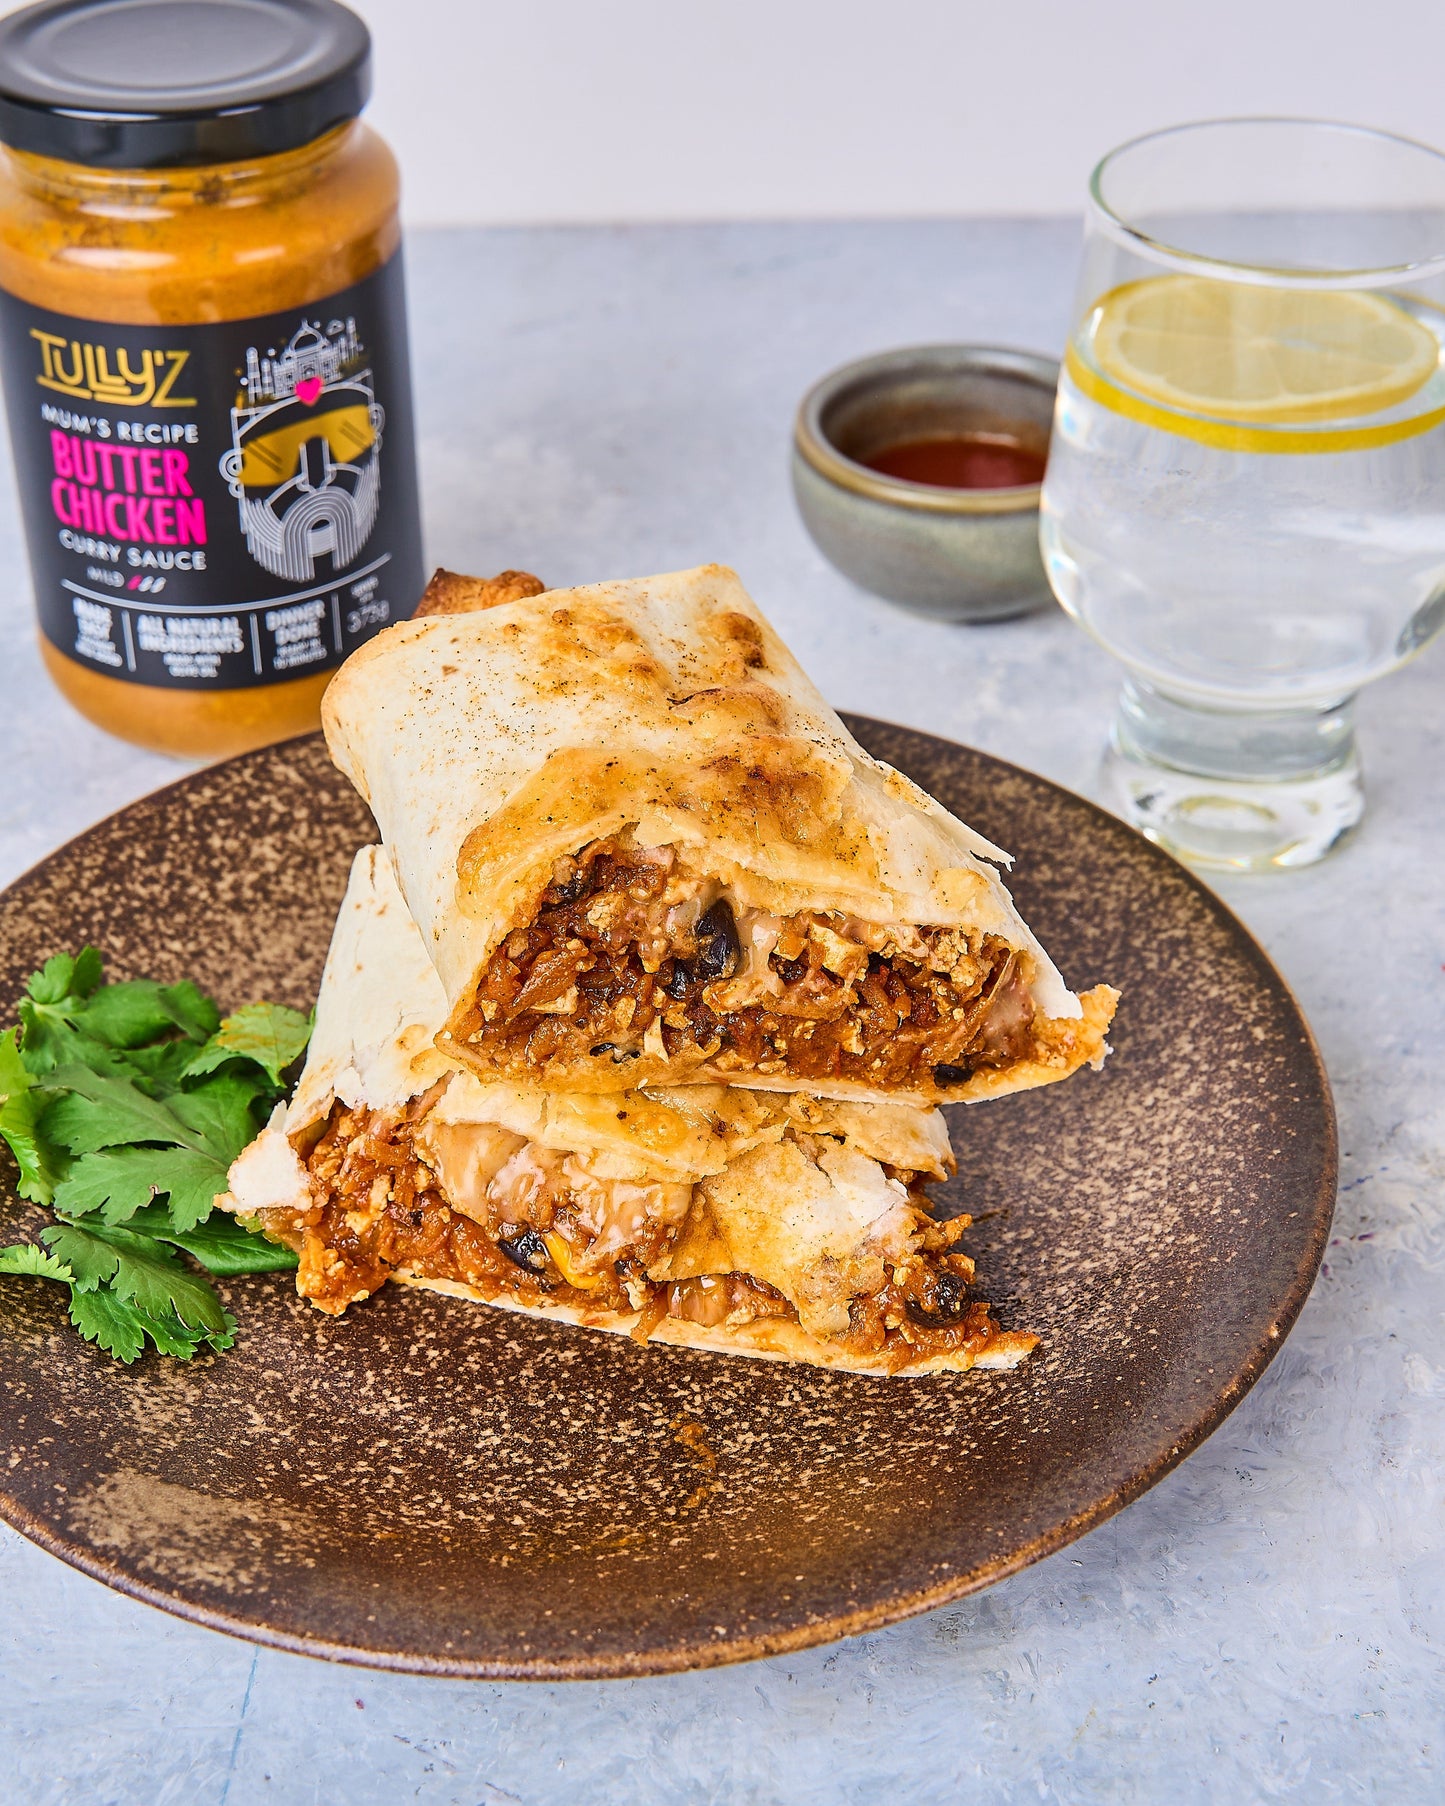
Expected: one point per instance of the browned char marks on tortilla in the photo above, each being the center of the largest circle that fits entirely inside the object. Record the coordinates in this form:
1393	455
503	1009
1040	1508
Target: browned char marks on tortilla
449	593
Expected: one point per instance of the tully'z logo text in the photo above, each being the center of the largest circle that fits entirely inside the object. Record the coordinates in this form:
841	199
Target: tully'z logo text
73	367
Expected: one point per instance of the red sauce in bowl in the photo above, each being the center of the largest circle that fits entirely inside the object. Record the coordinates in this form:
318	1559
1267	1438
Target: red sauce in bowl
961	461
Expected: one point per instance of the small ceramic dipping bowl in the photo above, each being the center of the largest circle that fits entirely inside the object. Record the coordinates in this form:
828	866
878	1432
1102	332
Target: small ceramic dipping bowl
956	554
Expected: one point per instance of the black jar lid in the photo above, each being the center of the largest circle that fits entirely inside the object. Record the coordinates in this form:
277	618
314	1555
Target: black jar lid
146	84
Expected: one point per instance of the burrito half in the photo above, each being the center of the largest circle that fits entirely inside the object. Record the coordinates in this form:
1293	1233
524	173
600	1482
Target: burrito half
642	850
741	1221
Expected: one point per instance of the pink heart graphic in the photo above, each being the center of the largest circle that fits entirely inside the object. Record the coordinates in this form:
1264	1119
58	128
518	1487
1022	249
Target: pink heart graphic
309	388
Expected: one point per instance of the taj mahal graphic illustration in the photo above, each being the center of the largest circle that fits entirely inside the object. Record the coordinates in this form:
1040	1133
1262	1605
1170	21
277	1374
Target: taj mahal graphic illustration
305	458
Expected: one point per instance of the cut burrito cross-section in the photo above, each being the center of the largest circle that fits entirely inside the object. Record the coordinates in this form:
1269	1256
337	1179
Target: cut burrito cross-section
749	1222
642	850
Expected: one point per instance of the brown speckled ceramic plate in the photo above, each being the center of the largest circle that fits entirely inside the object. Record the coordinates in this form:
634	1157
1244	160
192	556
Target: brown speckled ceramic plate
430	1485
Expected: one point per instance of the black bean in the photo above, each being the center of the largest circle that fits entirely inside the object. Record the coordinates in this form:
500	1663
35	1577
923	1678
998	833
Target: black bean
719	952
527	1251
951	1075
950	1301
576	886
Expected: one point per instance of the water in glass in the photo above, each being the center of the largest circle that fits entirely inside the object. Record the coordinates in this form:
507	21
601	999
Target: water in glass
1245	502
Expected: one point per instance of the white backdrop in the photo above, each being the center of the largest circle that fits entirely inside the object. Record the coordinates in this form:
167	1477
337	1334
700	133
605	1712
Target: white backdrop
514	110
522	110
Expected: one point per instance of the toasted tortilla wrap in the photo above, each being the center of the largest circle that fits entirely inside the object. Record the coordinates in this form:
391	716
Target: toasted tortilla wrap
643	850
748	1222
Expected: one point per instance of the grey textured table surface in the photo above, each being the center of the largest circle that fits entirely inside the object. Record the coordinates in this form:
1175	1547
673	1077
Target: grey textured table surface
1269	1623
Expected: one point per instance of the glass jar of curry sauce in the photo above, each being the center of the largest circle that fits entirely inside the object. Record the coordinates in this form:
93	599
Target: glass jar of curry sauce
203	342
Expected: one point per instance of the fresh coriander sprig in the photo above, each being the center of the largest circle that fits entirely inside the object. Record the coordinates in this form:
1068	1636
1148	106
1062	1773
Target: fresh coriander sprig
124	1106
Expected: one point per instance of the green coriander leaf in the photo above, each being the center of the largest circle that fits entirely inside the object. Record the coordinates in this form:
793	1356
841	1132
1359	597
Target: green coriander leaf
154	1282
146	1274
41	1163
26	1258
51	984
82	1124
121	1181
158	1069
50	1038
268	1033
14	1078
193	1013
221	1245
219	1111
169	1334
91	1261
113	1325
121	1178
171	1338
101	1105
229	1256
66	975
127	1015
192	1182
222	1339
67	1019
89	971
120	1328
95	1111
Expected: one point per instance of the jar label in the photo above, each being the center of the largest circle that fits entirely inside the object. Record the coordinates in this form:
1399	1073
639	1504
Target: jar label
220	506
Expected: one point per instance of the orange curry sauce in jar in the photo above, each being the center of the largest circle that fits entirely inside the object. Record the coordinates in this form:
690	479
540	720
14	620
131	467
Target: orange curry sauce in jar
203	342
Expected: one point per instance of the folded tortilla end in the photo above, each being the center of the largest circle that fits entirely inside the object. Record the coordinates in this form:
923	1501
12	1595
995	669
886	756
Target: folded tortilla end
499	740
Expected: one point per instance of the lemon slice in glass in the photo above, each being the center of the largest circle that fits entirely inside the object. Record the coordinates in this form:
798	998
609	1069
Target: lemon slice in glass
1261	356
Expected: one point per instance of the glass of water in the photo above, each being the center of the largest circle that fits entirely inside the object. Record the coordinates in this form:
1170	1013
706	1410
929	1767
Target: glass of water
1245	496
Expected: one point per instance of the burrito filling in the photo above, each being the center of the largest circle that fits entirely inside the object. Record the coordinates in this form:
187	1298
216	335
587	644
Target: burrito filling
629	952
855	1259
